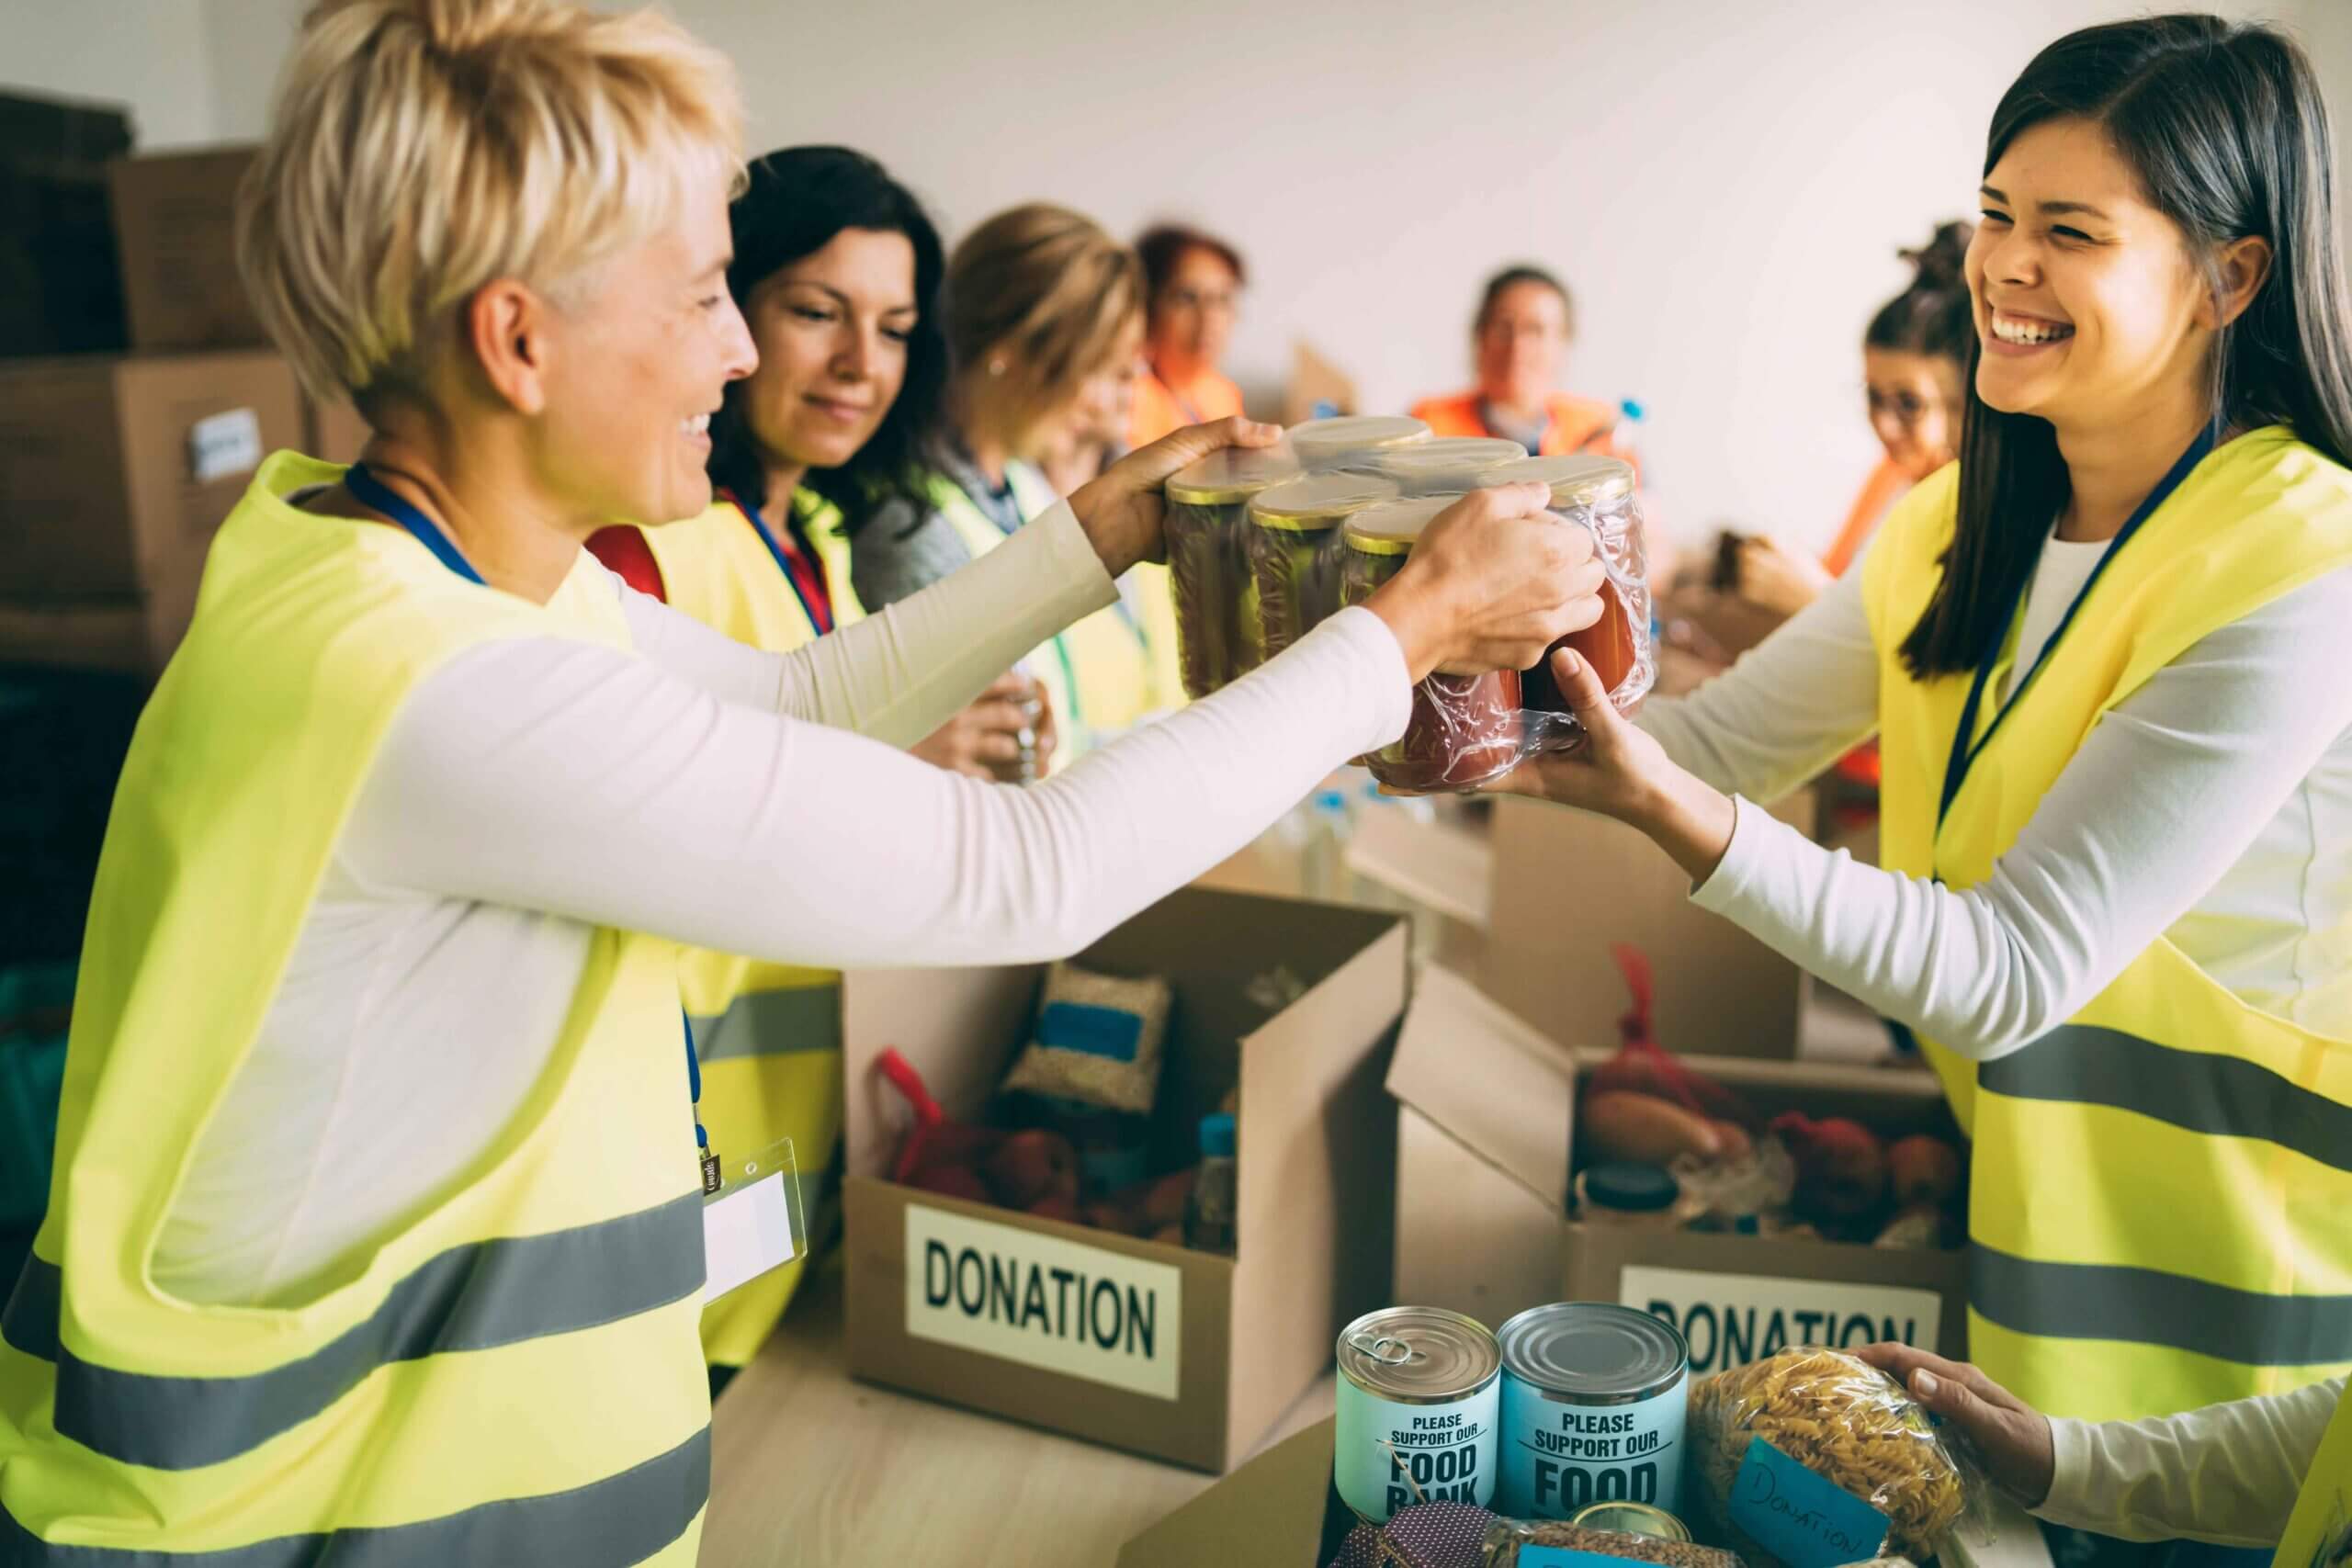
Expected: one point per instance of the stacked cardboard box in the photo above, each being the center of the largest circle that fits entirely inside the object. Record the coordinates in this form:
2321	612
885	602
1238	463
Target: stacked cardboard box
117	468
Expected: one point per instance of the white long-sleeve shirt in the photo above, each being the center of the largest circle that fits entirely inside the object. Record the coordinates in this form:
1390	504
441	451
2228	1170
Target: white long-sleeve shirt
2227	1473
2213	806
530	791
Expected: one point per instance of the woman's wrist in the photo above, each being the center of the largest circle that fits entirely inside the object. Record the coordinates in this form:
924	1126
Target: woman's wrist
1113	523
1690	819
1405	605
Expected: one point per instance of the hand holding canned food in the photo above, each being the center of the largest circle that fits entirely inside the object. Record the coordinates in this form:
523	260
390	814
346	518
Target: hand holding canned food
1124	511
1492	582
1007	733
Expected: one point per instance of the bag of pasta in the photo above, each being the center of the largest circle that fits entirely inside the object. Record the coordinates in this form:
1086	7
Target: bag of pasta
1816	1459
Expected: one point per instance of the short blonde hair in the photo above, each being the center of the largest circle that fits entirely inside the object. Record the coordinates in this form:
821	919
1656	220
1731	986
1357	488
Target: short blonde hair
1047	290
421	149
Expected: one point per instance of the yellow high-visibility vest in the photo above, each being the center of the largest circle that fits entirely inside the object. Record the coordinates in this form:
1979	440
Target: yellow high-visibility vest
513	1376
768	1035
1112	670
2160	1187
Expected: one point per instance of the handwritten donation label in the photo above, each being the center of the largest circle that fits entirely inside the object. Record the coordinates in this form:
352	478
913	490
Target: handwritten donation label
1044	1302
1799	1517
1729	1320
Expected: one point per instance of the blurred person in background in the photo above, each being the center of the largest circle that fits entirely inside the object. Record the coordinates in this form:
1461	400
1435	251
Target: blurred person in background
1519	344
1099	436
1041	307
837	273
1193	284
1914	368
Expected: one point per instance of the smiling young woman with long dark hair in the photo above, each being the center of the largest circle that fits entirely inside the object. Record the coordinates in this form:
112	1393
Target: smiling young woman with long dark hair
2104	654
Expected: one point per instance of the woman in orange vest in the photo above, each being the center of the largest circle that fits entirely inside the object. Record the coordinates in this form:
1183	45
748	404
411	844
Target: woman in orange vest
1915	363
1193	291
1519	344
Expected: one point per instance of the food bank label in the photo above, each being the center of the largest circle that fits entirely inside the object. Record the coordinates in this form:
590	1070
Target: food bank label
1044	1302
1729	1320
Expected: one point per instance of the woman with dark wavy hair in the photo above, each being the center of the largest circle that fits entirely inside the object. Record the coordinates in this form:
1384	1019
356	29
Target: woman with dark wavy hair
2104	654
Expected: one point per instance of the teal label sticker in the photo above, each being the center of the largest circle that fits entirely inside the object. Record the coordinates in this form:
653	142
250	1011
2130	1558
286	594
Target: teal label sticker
1093	1031
1799	1517
1562	1557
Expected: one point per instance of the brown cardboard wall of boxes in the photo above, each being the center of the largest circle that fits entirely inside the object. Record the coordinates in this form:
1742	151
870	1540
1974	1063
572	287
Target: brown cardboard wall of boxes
138	392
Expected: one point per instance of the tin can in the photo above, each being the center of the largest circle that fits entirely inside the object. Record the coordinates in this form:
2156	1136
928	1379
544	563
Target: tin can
1594	1397
1418	1392
1633	1519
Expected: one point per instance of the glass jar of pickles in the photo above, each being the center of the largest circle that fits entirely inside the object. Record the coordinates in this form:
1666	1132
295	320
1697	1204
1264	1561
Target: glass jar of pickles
1465	729
1294	550
1598	494
1444	465
1338	443
1208	562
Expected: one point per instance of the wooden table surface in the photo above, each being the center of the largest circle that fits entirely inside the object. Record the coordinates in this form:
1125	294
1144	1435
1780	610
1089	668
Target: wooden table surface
810	1470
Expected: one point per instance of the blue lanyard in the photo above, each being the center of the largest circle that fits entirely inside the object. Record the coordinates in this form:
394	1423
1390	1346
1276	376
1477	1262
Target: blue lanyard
1964	754
819	621
374	494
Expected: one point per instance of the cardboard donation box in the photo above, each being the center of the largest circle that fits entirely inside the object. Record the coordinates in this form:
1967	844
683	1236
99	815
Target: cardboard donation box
175	222
114	476
1184	1355
1486	1121
1567	885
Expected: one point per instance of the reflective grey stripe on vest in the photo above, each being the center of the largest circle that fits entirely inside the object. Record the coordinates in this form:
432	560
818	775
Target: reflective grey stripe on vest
470	1298
2147	1306
613	1523
772	1023
2220	1096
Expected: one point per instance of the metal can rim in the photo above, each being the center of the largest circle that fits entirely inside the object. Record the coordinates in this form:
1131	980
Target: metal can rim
1467	1390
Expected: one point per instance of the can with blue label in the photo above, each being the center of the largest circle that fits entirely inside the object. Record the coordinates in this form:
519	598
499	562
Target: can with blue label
1594	1396
1420	1390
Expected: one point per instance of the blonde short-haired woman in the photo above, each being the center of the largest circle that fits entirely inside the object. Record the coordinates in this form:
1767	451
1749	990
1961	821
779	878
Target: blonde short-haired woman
374	1236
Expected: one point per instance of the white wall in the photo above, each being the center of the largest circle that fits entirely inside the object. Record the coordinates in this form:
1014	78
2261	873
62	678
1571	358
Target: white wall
147	53
1723	183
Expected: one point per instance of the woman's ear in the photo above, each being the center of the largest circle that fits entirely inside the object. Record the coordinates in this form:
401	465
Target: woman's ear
2242	268
508	326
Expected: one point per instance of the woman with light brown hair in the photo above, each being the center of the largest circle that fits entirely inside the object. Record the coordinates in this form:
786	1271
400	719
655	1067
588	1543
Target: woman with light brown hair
374	1233
1044	310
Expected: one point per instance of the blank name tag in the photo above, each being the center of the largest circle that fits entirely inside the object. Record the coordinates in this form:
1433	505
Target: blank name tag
746	1232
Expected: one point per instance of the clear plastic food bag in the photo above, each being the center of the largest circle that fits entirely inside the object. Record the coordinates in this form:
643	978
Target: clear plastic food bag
1816	1459
1469	731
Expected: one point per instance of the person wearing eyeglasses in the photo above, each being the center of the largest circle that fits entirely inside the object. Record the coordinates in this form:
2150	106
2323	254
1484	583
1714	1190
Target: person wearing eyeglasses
1192	292
1915	363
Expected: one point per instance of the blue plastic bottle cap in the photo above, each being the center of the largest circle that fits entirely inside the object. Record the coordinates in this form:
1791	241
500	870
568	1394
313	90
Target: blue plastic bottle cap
1218	1136
1633	411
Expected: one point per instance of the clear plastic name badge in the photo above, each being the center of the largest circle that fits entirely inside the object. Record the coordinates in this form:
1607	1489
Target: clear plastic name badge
754	1222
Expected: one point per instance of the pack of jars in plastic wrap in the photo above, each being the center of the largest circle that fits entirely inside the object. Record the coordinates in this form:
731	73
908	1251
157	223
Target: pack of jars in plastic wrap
1263	546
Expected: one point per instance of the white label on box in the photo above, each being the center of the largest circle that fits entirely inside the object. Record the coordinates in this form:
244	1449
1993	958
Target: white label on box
1729	1320
221	445
1044	1302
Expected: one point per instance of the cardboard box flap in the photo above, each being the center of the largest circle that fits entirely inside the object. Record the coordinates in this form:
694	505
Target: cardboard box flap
1443	865
1499	1086
1270	1510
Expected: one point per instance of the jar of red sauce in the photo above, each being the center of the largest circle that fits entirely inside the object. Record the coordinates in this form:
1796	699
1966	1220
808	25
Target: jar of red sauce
1596	493
1465	729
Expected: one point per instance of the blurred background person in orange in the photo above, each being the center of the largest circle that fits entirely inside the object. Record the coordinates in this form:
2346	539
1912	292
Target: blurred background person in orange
1519	344
1915	363
1192	283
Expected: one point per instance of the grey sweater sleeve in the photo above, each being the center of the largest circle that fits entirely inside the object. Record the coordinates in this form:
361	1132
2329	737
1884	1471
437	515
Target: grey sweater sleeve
901	551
